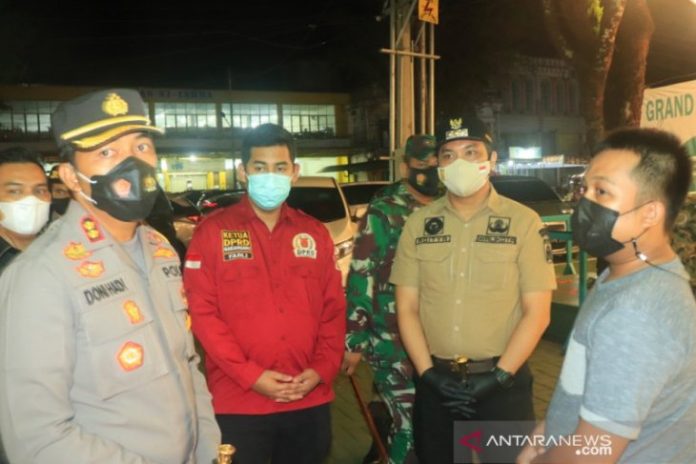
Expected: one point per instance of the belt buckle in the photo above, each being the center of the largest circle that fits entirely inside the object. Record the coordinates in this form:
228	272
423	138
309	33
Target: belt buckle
459	365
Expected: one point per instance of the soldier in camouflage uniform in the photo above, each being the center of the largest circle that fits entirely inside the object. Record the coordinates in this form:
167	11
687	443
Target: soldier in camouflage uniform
684	241
372	330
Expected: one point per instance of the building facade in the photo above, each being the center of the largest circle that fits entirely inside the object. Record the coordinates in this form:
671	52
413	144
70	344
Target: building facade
201	148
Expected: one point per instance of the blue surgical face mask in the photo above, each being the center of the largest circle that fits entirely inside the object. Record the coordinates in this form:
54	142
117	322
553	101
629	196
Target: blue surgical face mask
268	190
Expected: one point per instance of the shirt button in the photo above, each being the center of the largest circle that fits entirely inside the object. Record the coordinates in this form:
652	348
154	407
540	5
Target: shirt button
463	250
456	328
461	274
458	301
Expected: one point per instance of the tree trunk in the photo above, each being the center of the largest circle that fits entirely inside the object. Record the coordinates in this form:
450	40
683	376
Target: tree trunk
626	80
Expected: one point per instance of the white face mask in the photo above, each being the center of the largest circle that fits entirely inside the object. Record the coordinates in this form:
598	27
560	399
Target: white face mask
464	178
26	216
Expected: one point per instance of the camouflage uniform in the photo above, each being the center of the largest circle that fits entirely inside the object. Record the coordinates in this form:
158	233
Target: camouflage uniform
684	241
372	327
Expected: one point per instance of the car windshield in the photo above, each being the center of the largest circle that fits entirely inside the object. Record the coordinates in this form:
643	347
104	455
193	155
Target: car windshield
524	190
360	194
323	203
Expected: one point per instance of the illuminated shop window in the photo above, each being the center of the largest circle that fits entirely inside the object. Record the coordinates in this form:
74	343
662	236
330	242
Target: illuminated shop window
310	120
248	115
26	117
185	116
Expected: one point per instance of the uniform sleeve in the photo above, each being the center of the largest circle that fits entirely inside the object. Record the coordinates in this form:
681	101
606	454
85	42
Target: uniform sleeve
405	269
208	430
631	358
37	359
328	352
370	250
536	268
200	270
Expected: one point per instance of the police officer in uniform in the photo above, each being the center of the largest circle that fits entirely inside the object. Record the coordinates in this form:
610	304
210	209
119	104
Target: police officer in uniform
474	276
97	363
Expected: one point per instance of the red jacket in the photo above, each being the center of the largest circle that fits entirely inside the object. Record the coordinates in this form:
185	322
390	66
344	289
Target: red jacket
264	300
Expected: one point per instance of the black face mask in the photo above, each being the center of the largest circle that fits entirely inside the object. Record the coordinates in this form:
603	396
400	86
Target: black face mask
134	203
424	181
592	225
59	205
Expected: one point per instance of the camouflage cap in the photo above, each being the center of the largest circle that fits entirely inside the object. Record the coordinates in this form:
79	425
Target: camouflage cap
420	146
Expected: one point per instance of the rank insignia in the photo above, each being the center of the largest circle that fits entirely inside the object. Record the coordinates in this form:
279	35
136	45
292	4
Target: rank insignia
498	225
91	269
91	229
130	356
162	252
133	312
182	292
114	105
76	251
434	225
304	246
149	184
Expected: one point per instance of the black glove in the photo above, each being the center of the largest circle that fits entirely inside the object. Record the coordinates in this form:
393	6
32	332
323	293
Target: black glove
457	398
481	386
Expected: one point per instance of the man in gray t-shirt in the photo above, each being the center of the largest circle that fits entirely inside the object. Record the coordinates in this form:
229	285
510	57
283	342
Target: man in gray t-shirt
627	391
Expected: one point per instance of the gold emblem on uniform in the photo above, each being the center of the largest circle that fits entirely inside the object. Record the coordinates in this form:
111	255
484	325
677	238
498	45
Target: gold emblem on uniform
149	184
76	251
456	129
91	269
91	229
114	105
188	321
133	312
162	252
182	292
455	123
130	356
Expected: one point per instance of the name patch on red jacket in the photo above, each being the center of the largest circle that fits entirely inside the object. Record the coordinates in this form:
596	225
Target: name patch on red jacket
236	244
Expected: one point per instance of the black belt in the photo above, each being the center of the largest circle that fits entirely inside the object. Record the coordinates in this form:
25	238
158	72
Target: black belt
464	367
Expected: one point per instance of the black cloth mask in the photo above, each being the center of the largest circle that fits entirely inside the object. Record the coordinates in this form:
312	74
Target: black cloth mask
137	203
59	205
425	181
592	225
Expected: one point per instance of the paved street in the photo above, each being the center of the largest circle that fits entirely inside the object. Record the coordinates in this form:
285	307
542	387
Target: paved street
351	438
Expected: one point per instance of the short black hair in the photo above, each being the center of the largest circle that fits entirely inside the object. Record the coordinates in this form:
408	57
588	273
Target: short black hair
267	135
664	169
20	155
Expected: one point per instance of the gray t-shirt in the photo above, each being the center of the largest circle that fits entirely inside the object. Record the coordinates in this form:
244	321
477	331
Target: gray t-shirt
630	368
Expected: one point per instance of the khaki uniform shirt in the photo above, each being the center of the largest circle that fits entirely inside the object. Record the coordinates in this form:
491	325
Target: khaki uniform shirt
97	364
471	274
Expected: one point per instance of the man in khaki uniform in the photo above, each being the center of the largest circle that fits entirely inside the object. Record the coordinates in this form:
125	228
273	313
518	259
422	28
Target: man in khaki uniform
97	362
474	276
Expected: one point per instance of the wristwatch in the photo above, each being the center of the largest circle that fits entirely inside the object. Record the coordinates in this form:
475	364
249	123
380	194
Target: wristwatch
504	378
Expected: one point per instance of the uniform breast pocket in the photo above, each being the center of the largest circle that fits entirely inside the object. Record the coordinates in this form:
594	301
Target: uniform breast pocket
304	290
123	347
435	267
494	267
240	291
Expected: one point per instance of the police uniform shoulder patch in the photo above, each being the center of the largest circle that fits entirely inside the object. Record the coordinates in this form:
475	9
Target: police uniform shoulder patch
76	251
548	250
304	246
236	244
91	229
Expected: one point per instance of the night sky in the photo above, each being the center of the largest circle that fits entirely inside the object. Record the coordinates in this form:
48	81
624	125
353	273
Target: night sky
287	45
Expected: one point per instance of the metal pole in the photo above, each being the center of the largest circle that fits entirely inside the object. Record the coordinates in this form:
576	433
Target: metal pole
431	94
406	20
407	53
423	92
392	88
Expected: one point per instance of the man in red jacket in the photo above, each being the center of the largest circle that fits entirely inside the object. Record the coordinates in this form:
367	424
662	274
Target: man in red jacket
267	305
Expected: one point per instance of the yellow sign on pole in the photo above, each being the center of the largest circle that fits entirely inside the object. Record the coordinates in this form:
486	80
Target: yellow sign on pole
428	11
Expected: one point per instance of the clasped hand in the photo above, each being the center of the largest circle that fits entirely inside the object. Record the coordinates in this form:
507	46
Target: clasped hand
284	388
